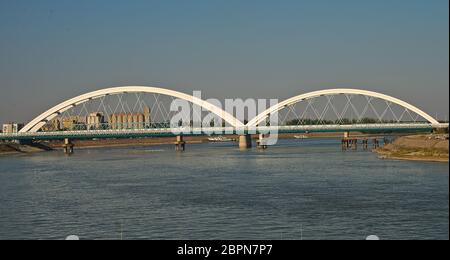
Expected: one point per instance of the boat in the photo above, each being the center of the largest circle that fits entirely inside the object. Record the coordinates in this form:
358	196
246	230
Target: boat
301	137
220	139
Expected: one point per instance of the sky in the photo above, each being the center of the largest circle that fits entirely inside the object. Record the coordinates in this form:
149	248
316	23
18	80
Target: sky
51	51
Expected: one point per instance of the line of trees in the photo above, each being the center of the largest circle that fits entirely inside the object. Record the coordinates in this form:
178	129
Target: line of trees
344	121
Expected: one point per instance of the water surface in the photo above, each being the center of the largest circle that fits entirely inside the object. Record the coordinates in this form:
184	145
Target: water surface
300	189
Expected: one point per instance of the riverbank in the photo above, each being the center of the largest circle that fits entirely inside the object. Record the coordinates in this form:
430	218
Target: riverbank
431	147
16	149
12	148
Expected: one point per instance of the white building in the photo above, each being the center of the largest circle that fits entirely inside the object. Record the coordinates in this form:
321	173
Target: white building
95	120
11	128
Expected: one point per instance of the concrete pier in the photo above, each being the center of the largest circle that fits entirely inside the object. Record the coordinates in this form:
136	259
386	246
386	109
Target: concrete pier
68	146
346	134
365	143
245	141
180	144
262	142
352	143
376	143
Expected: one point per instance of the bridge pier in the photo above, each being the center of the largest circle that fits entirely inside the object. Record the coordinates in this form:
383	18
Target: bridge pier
376	143
346	134
348	143
365	143
355	144
352	143
245	141
262	143
180	144
68	146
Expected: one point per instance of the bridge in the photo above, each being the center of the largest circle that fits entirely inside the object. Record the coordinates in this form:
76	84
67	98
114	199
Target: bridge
117	113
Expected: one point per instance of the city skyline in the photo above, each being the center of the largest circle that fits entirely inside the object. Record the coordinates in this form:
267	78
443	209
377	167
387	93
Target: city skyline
54	50
101	120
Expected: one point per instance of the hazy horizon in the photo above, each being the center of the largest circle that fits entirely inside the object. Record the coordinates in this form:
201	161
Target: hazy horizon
54	50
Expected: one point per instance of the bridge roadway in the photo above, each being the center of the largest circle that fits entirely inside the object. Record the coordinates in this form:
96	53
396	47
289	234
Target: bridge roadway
172	132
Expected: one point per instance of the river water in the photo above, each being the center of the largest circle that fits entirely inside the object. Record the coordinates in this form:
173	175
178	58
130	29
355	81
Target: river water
300	189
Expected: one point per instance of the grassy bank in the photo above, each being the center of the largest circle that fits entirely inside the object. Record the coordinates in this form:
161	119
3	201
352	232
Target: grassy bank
417	148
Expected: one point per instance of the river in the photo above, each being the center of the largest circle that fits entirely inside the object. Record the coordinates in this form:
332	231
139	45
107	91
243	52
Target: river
299	189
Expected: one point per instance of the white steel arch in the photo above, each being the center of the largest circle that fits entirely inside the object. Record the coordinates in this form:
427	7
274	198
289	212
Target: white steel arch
50	114
291	101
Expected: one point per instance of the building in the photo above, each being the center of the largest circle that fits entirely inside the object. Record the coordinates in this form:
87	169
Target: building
130	120
147	116
74	123
95	120
11	128
127	121
52	126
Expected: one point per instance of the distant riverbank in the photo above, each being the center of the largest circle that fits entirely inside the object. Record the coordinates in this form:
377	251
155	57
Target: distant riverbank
152	141
417	148
14	149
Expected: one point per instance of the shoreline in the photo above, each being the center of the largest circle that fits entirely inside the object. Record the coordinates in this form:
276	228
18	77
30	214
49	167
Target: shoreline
394	151
8	149
423	148
416	159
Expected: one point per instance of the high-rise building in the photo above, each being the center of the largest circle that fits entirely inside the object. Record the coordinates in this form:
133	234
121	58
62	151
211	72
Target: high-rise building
147	117
130	120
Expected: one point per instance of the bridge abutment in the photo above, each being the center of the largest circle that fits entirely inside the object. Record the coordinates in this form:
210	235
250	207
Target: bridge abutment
23	142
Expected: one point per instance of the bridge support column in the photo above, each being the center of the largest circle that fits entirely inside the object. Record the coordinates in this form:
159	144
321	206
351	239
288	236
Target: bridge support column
262	143
355	144
68	146
365	143
376	143
245	141
346	143
346	134
180	145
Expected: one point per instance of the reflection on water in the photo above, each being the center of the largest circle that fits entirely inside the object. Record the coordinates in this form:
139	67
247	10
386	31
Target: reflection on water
300	188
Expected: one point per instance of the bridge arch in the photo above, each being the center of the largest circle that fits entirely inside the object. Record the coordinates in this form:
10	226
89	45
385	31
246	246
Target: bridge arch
291	101
36	124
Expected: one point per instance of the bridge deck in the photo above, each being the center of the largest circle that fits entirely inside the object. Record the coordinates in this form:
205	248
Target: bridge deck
170	132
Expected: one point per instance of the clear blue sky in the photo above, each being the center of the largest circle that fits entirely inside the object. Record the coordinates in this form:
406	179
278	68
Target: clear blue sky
54	50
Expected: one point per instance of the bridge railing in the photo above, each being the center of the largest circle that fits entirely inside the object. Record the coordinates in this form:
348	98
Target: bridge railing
123	133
